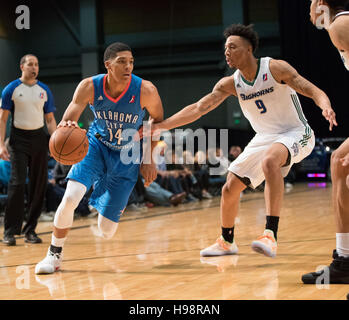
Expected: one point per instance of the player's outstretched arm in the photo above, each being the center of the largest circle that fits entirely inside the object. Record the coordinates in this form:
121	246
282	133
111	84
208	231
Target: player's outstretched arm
83	95
286	74
223	89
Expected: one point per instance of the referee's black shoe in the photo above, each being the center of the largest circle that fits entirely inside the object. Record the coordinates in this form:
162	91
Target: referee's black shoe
31	237
336	273
9	240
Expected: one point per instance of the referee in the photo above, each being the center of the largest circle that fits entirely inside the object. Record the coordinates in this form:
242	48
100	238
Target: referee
30	102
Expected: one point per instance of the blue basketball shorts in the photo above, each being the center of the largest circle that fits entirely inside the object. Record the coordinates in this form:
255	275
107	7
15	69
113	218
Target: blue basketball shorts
112	180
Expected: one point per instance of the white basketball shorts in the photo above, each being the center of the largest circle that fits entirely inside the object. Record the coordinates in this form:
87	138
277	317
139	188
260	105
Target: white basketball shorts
248	164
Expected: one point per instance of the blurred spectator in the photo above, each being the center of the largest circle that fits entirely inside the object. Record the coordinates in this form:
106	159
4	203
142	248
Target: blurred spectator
162	197
201	172
234	152
169	180
5	174
54	193
187	179
218	166
137	197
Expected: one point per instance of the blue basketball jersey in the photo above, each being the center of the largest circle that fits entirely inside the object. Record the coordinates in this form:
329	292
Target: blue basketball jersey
116	120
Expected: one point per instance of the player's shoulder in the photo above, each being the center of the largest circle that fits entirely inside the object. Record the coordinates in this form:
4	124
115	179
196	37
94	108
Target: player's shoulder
278	64
339	27
86	84
340	22
225	85
148	88
227	81
280	67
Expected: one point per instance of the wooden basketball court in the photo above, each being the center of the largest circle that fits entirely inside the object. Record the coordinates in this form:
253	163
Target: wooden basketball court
155	255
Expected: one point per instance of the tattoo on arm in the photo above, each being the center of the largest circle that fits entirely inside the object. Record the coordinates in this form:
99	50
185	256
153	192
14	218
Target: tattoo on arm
302	86
288	75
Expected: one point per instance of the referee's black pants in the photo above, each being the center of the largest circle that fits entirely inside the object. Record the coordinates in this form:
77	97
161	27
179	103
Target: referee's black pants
29	155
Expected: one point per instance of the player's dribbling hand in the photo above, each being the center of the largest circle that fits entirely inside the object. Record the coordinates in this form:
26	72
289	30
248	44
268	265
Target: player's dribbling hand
330	116
69	124
149	173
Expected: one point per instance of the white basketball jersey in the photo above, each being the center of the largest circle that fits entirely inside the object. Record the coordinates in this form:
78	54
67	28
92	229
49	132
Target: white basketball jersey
344	55
270	107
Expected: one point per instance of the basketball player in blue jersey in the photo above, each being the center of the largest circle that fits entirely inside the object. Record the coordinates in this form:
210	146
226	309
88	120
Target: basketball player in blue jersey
338	271
266	89
118	100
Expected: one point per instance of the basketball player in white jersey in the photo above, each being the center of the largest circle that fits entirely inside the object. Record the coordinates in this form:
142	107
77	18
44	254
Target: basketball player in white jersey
266	89
338	29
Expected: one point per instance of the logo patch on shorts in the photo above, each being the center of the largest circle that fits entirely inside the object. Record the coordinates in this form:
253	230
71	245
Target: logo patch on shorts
295	149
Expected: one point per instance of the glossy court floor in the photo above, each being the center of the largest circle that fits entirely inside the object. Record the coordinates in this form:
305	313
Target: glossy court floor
155	255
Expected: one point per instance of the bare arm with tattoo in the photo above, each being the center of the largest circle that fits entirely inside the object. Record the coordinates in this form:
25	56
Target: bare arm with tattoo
222	90
286	74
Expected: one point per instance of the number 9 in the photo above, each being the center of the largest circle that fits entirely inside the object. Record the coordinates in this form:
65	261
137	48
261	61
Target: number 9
261	106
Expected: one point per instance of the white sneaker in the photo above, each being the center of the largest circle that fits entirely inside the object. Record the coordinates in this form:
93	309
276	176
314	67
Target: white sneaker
206	195
50	264
220	248
266	244
44	217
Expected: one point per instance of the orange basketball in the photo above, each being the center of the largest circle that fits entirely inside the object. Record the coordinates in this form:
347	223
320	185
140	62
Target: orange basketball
68	145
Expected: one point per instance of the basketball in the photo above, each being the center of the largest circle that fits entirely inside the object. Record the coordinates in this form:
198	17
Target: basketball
68	145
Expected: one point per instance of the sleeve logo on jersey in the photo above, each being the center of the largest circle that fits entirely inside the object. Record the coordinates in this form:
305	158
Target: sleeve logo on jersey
41	95
265	77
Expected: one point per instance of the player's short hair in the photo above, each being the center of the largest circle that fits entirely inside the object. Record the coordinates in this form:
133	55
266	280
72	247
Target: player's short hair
113	49
24	58
337	5
243	31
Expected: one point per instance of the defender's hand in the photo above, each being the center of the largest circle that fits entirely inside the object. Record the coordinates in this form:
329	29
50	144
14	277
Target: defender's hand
151	129
330	116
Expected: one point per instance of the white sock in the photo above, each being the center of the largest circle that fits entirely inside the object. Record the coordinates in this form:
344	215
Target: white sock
342	244
57	242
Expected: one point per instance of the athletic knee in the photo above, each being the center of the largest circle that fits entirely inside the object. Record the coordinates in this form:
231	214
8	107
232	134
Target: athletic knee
70	201
337	168
270	165
229	191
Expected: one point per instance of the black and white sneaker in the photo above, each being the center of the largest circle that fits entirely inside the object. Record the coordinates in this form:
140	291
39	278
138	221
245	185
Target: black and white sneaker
337	272
50	264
